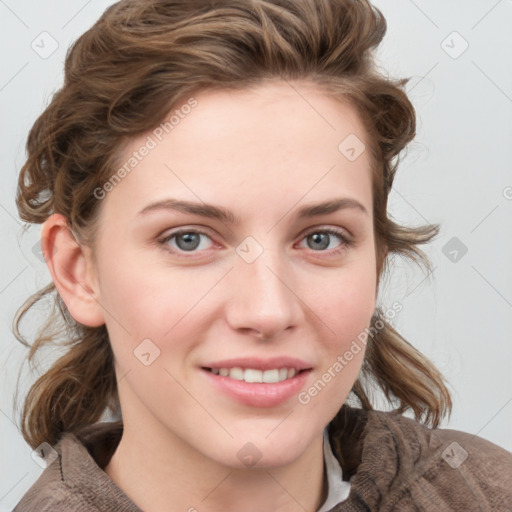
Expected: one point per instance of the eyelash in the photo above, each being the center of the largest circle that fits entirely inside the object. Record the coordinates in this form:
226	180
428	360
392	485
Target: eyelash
346	242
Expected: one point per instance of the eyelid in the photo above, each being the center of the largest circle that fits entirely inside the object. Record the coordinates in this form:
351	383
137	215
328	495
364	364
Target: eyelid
178	231
329	229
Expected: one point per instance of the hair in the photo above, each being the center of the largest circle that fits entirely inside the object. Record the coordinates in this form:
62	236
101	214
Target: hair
122	76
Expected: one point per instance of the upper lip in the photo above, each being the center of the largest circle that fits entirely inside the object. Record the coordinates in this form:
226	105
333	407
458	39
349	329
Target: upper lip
260	364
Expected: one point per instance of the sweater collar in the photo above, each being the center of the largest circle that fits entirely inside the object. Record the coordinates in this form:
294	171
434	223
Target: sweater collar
83	457
338	489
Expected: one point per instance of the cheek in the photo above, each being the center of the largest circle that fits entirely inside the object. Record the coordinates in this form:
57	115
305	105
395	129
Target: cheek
143	303
348	303
349	297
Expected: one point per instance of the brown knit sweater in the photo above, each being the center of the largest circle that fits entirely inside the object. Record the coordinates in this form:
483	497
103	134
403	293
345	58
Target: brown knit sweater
394	463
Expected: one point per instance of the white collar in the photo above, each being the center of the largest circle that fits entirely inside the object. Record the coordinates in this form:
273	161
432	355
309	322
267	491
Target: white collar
337	489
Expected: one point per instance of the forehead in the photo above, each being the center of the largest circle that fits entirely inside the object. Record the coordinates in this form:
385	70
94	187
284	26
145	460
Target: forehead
280	141
275	114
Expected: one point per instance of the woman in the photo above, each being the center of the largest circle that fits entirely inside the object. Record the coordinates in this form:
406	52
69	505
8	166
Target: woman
212	180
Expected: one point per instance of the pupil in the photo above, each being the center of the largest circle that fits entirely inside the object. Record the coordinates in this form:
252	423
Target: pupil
319	238
191	241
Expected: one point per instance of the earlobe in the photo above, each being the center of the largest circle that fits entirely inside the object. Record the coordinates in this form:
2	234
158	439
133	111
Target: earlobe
72	271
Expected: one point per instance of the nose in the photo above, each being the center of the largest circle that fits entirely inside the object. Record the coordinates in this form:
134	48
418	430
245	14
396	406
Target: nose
264	300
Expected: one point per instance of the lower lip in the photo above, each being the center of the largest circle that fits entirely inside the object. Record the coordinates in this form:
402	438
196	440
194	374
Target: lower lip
259	394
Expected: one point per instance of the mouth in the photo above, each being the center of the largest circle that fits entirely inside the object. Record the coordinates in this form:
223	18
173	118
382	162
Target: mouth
253	375
265	388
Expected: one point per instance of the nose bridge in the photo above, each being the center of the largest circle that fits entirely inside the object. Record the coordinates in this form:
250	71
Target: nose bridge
263	298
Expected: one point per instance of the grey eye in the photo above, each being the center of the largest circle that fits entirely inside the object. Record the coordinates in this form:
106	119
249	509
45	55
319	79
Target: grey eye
188	241
323	239
318	240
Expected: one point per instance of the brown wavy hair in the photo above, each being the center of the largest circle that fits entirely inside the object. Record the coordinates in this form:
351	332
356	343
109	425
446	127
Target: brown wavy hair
122	77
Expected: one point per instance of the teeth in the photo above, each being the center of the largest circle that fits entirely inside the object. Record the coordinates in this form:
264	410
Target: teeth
236	373
252	375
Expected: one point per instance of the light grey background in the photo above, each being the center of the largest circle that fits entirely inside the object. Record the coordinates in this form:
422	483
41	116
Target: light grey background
457	173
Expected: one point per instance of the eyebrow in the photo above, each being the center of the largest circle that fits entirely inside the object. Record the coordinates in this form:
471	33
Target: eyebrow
227	216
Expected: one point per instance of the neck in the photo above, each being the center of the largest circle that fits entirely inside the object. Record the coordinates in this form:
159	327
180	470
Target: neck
159	471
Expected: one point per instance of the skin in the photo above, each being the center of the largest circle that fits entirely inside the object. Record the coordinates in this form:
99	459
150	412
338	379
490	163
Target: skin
262	153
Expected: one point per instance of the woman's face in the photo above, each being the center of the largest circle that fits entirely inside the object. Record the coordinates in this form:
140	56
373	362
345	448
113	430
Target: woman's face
211	254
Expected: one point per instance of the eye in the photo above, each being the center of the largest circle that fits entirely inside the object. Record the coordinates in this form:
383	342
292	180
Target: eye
192	241
188	240
331	239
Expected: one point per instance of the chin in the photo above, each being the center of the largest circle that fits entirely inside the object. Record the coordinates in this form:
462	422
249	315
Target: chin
259	450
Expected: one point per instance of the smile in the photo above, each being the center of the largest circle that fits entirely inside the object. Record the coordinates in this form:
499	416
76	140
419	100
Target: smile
258	388
252	375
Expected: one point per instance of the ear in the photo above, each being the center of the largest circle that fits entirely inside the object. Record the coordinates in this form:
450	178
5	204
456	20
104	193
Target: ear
72	270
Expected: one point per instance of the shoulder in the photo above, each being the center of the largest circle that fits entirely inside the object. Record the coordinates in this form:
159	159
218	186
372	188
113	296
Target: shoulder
75	481
398	463
52	491
445	448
